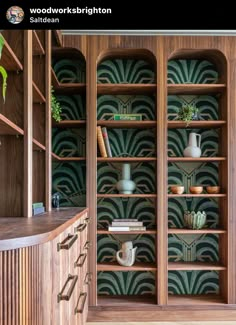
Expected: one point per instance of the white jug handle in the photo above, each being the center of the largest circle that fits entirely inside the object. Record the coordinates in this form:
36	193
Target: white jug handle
118	254
199	139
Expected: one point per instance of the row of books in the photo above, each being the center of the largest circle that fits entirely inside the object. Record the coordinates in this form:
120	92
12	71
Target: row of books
38	208
126	225
103	142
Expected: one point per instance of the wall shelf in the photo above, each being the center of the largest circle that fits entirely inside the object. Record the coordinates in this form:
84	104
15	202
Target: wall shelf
37	146
128	159
127	124
124	301
197	195
195	89
126	89
37	45
191	300
134	232
185	266
7	127
38	97
116	267
67	88
69	124
195	124
9	60
195	231
127	195
201	159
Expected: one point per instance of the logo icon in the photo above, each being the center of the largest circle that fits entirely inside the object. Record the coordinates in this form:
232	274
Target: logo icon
15	15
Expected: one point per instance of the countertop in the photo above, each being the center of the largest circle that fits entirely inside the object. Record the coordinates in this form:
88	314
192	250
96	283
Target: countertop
17	232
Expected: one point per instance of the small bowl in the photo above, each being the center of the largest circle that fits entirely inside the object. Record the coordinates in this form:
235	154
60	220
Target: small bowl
196	189
177	189
213	189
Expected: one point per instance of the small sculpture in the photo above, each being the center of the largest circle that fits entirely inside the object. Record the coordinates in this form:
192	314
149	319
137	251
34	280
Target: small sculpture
56	200
195	220
128	254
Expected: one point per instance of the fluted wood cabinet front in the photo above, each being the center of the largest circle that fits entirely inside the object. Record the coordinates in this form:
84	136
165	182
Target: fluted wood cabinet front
46	284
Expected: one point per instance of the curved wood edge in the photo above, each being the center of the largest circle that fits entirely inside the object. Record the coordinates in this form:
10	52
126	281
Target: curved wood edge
43	237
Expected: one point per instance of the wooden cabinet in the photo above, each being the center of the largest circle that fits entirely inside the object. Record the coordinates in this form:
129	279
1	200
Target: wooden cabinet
47	283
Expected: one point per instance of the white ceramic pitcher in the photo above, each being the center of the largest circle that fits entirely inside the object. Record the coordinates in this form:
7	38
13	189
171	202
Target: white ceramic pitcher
128	254
193	149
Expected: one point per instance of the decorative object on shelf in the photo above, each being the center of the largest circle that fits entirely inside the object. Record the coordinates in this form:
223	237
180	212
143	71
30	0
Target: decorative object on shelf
3	71
101	142
127	225
213	189
196	189
56	200
127	117
55	107
106	141
193	149
128	254
188	113
195	220
177	189
125	185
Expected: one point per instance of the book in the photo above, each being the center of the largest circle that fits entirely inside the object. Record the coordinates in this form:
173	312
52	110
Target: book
126	223
37	205
106	140
124	220
130	228
128	117
38	210
101	143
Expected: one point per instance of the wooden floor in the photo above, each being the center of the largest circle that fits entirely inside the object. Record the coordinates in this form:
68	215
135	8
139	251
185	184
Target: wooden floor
166	323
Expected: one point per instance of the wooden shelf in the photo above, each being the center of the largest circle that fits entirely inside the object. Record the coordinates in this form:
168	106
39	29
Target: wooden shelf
67	88
58	37
201	159
136	301
9	60
69	124
197	195
122	159
195	124
136	232
116	267
126	195
37	46
58	158
127	124
124	89
7	127
189	266
37	146
38	97
195	300
195	89
196	231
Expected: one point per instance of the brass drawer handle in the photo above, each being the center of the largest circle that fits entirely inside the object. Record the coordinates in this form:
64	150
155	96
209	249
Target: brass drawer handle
64	244
81	257
81	227
88	278
87	245
67	296
80	310
87	220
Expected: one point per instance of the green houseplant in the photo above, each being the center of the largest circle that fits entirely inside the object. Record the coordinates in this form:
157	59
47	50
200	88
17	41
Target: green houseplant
55	107
187	113
3	71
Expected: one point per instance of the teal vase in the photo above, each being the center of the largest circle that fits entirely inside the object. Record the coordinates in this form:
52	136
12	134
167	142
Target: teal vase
125	185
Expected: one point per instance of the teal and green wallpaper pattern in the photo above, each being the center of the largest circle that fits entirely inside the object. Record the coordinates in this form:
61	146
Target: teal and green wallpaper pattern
193	282
142	209
143	174
108	245
122	71
107	105
69	71
208	106
191	71
73	107
126	283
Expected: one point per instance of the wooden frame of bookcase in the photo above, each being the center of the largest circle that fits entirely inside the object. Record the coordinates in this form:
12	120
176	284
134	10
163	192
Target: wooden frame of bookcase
96	47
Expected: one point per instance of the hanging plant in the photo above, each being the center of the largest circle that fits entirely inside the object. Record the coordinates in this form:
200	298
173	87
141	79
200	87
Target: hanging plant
55	107
3	71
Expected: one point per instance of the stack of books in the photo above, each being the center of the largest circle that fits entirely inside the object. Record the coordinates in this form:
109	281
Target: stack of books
38	208
126	225
103	142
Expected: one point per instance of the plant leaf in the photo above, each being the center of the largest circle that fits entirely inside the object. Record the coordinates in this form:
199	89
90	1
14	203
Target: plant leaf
4	84
1	44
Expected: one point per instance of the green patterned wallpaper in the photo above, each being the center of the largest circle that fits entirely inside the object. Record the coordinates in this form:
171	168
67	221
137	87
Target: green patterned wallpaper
73	107
126	283
69	71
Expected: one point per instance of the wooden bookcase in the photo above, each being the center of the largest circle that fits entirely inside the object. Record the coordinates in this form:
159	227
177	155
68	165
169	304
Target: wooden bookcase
25	126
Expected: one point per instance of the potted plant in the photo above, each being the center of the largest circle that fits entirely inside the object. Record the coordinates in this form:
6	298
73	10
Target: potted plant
3	71
187	113
55	107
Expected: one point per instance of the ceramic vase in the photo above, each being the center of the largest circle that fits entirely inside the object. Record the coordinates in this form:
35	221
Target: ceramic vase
125	185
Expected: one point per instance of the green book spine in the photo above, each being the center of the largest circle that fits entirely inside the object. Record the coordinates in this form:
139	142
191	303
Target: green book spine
37	205
128	117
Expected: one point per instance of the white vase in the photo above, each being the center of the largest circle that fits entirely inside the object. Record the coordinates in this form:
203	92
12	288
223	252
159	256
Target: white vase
125	185
193	149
